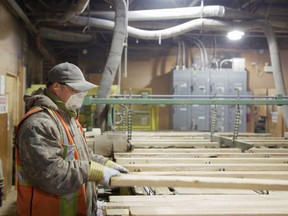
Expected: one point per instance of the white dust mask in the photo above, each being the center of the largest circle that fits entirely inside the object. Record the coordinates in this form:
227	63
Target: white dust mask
75	101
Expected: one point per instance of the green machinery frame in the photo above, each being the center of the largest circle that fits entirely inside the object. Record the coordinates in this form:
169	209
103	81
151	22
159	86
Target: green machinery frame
145	99
236	100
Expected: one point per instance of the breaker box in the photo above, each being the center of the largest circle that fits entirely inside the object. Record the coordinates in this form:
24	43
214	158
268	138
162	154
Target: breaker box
207	82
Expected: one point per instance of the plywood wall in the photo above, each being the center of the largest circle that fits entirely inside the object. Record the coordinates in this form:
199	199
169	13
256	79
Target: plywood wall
12	40
6	162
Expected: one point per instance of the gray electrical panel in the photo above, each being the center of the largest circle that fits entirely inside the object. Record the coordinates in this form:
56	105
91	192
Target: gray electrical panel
181	114
200	113
207	82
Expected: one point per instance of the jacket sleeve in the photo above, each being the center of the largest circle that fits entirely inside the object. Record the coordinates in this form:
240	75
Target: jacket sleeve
97	158
40	154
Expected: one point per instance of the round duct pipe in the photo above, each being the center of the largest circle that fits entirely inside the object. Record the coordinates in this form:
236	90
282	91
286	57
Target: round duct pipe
113	61
179	13
166	14
57	35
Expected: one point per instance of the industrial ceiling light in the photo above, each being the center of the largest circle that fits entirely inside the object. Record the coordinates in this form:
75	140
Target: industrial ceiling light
235	35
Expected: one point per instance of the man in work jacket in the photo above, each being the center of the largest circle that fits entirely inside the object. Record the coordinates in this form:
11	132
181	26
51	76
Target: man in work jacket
56	170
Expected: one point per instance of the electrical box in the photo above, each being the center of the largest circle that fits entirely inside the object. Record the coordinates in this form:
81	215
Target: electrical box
181	114
208	82
238	64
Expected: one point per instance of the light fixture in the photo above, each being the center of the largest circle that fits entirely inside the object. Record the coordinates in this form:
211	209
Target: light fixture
235	35
84	51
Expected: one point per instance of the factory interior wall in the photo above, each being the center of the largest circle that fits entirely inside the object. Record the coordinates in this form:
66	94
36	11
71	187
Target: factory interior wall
11	79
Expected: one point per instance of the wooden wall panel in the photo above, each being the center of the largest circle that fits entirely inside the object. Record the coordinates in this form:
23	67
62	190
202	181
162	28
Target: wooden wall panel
4	149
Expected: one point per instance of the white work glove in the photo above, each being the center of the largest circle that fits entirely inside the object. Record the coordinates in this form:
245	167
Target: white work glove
116	166
101	174
107	174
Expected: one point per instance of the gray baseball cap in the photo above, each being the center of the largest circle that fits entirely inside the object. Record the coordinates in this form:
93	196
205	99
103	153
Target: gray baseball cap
71	75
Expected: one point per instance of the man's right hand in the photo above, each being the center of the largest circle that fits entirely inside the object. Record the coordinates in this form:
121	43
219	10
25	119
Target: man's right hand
101	174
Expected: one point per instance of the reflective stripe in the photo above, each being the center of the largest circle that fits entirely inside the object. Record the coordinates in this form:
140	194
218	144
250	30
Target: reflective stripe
71	141
22	179
69	204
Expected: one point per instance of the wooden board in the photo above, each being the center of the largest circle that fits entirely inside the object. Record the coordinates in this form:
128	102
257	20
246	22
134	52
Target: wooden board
165	160
210	150
236	174
201	155
206	167
199	182
243	204
174	144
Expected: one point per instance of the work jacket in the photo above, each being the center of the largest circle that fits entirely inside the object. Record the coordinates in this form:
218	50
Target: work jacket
53	162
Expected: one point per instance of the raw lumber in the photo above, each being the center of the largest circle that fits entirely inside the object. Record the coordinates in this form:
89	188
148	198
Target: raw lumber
207	167
200	198
231	174
199	182
165	160
118	212
216	211
201	204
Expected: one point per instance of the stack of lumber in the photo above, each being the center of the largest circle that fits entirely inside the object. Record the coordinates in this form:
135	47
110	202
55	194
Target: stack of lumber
207	180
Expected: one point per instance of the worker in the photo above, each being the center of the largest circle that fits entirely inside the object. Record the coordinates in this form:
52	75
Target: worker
57	172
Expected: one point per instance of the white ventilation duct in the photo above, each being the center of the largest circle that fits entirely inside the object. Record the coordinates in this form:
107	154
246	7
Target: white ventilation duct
178	13
113	60
166	14
195	24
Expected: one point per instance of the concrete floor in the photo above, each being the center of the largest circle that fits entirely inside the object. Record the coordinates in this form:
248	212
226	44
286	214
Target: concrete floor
8	207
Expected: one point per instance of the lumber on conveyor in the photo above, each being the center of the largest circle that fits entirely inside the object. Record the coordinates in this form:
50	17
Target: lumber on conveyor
129	180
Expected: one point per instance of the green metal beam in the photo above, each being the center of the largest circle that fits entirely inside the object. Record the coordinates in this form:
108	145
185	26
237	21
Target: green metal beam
92	100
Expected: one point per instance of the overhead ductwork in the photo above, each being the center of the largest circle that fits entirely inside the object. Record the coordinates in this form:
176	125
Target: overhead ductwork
276	66
195	24
179	13
113	61
32	29
58	35
76	8
165	14
51	34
